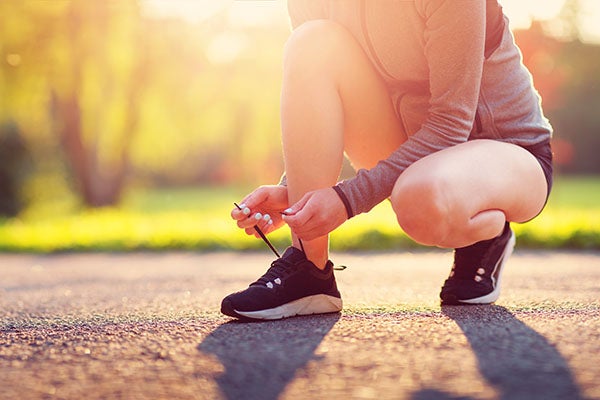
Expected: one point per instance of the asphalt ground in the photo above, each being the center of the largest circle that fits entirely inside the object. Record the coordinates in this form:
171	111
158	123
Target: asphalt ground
147	326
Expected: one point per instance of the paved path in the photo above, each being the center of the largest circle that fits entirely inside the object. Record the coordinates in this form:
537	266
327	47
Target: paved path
144	326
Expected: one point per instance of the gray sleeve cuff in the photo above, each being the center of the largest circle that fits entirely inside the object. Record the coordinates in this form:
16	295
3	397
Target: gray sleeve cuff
344	199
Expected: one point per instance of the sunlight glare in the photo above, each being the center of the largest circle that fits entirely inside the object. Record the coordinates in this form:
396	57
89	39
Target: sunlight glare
257	12
225	48
191	11
522	12
265	12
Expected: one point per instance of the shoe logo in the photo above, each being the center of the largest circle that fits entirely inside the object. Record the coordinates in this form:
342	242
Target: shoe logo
480	271
270	284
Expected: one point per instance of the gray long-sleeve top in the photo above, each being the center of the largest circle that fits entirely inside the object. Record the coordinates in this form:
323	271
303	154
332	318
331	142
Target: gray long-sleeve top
443	76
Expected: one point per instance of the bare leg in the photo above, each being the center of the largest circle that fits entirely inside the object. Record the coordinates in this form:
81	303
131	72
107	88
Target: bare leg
464	194
332	101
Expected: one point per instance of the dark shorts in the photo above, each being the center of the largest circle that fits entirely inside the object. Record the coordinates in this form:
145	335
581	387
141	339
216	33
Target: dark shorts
543	153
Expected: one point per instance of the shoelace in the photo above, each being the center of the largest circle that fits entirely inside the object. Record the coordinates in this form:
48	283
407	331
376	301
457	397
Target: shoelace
280	268
274	250
264	238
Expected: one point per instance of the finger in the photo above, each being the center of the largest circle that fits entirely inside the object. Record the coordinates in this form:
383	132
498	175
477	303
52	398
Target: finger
251	220
251	225
256	217
312	229
257	233
240	212
273	224
255	198
290	215
264	222
246	223
240	215
299	205
300	230
269	227
303	211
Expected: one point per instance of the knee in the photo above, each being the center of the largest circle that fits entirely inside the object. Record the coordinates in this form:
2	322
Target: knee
424	208
315	46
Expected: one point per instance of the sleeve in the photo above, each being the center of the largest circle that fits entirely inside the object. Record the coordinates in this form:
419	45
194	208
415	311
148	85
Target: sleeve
301	11
454	37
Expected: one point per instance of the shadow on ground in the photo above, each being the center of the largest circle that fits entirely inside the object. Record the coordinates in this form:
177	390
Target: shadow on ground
513	358
260	359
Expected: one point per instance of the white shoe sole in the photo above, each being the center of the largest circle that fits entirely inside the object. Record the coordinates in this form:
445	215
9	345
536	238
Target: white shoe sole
316	304
493	296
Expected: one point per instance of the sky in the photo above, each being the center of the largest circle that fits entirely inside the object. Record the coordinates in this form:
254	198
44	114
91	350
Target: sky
520	12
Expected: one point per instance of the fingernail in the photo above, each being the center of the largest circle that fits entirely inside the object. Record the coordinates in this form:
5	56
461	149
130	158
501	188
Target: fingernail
246	211
288	211
267	217
270	222
257	216
242	205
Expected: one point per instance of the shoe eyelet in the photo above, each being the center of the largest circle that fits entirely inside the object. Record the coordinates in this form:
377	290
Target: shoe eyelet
270	285
481	271
477	278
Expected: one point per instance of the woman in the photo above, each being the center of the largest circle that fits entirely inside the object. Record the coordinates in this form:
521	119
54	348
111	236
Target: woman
432	105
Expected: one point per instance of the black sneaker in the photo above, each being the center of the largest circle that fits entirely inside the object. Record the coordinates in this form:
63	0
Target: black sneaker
475	275
292	286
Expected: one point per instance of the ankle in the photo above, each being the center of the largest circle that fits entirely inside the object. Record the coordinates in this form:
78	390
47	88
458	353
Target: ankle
318	260
315	253
319	263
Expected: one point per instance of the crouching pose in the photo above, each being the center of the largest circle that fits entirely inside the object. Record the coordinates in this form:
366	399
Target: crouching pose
431	103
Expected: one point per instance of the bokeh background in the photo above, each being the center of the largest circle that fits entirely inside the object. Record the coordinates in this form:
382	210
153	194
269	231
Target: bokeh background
134	124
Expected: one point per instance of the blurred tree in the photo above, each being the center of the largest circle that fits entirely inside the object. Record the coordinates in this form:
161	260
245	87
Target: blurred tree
577	122
95	90
216	98
112	95
569	20
565	71
14	165
75	69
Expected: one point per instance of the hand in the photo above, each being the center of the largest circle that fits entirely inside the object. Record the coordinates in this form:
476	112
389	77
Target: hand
316	214
262	208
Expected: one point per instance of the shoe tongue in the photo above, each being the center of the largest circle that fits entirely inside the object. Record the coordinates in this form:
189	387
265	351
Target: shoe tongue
297	256
293	255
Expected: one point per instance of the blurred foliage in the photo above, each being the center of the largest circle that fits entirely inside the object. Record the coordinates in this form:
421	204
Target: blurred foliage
105	95
566	75
198	219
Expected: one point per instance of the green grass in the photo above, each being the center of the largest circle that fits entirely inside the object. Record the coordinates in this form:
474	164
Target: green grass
198	219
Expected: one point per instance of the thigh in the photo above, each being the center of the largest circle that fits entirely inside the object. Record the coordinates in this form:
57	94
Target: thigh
327	66
372	129
482	175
